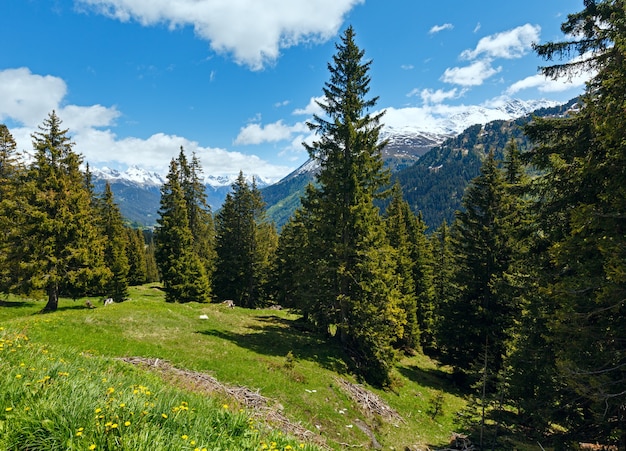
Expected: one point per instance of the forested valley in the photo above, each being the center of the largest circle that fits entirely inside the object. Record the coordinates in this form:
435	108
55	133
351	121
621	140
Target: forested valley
522	293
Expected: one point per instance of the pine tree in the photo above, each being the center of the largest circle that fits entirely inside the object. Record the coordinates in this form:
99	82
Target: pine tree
292	282
398	224
136	254
115	255
355	278
423	278
242	258
152	270
476	323
182	272
581	199
10	170
444	289
63	252
198	211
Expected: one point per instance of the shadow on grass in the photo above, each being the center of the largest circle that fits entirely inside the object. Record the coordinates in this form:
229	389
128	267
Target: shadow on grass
277	336
15	304
433	378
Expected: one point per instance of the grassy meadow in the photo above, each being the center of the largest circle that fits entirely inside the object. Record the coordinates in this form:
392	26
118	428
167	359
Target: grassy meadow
63	385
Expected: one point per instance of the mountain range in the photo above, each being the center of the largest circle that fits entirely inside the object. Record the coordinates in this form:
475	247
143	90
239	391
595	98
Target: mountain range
409	149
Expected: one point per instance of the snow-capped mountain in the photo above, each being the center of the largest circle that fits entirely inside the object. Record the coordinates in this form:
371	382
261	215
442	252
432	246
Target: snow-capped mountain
137	190
133	174
448	121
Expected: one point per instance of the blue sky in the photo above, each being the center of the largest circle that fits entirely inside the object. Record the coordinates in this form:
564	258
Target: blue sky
235	80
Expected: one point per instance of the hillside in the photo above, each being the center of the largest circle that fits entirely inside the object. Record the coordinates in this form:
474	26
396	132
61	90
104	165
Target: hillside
300	374
435	180
436	183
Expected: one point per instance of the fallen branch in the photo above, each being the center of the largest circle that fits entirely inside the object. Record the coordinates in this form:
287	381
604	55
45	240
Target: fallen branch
369	402
262	407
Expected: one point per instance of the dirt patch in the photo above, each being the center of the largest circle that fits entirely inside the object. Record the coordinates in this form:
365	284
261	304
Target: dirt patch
262	408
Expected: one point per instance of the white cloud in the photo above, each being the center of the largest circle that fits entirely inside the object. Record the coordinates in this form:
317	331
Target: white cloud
473	75
546	84
312	108
252	31
429	96
407	67
26	99
509	44
437	28
275	132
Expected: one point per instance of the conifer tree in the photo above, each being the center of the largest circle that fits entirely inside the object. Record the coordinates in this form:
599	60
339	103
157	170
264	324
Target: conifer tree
55	245
581	199
356	283
242	258
292	281
182	272
9	175
115	255
198	210
152	270
398	224
476	323
136	254
423	264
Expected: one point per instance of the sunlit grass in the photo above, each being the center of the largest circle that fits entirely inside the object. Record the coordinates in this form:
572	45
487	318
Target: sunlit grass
55	399
260	349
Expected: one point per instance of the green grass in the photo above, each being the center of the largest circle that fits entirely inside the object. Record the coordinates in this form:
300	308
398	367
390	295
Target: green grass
260	349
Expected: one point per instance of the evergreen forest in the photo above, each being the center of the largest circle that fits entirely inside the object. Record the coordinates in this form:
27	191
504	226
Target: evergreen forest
521	290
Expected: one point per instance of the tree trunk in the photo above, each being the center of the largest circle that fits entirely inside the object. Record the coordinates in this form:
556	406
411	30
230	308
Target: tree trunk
53	298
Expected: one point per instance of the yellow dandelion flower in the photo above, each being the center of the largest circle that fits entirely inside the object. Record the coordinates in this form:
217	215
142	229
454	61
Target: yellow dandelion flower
92	446
164	415
225	406
122	405
184	436
8	409
98	410
127	423
114	426
79	433
193	442
18	376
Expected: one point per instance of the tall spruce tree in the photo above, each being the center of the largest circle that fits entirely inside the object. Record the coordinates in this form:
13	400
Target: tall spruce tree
198	210
241	261
476	323
423	264
136	254
55	245
115	255
292	281
356	283
581	206
398	225
9	175
182	272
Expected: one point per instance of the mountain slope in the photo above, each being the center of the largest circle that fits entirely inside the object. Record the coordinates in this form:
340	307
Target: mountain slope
433	162
436	183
